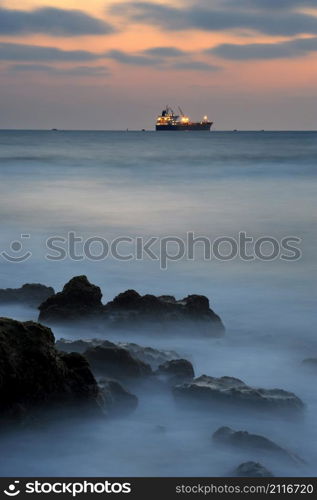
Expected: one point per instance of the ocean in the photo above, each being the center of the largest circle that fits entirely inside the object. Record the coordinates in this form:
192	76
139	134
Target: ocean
129	187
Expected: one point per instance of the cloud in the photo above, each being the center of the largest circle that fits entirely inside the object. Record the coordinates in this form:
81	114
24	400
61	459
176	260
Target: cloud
126	58
52	21
273	4
279	50
164	52
195	65
20	52
207	16
166	58
174	58
73	71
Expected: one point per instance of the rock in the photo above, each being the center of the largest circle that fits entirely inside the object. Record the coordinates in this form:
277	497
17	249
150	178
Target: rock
245	440
34	375
128	300
78	300
116	399
30	294
252	469
111	360
82	380
80	346
176	371
130	309
211	391
149	355
196	305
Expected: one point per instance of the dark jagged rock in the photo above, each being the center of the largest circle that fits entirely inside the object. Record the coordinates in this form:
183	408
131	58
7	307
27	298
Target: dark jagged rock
34	375
116	399
111	360
78	300
252	469
81	300
31	294
196	305
132	309
83	380
254	442
176	371
149	355
128	300
211	391
80	346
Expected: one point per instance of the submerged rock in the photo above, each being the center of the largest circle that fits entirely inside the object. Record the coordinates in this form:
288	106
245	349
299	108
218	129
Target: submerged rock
34	375
79	299
310	364
111	360
211	391
116	399
149	355
252	469
30	294
80	346
176	371
160	429
246	441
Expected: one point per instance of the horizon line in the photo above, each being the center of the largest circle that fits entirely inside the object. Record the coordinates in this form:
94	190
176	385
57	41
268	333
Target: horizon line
10	129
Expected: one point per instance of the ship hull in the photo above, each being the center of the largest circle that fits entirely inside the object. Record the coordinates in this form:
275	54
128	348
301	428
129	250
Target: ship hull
185	127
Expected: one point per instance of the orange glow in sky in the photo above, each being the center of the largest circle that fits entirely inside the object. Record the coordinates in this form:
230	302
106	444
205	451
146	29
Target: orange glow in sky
167	77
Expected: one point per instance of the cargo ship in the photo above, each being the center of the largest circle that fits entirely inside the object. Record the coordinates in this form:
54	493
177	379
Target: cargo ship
168	120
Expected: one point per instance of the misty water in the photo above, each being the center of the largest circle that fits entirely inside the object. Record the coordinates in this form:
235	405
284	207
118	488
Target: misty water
134	184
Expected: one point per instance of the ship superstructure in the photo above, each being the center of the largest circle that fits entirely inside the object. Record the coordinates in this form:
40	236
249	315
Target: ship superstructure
169	120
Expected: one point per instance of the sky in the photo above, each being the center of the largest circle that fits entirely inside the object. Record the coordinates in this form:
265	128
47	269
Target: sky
115	64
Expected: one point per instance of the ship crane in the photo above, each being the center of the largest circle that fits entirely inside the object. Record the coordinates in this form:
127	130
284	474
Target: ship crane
184	119
168	120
